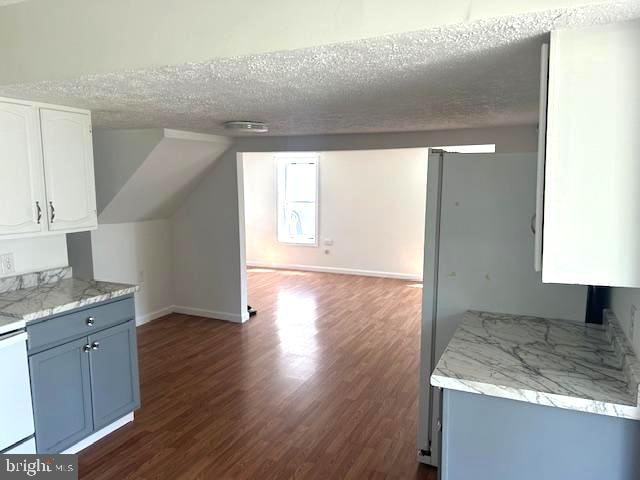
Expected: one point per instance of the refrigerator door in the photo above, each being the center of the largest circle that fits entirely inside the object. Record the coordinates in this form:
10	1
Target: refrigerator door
16	414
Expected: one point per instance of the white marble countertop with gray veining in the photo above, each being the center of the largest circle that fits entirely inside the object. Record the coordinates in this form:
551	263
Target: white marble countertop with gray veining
46	299
571	365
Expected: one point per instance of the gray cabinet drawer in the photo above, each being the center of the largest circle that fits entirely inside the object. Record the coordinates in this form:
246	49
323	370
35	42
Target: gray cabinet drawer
59	329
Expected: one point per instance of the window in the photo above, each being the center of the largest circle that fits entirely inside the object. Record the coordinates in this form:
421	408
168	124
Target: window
298	199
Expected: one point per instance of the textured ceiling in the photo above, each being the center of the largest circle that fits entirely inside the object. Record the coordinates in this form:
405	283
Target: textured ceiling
477	74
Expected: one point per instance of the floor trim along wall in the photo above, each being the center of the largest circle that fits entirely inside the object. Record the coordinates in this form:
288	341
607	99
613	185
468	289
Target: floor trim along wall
199	312
344	271
91	439
148	317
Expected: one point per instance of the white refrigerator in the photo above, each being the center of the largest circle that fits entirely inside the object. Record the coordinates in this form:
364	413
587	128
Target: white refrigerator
479	255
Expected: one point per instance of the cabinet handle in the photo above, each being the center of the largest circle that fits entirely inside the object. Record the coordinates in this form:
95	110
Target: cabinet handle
86	348
91	321
533	224
95	346
39	212
53	211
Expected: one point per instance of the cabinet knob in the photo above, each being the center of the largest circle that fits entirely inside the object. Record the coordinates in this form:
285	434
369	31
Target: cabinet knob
86	348
95	345
91	321
52	209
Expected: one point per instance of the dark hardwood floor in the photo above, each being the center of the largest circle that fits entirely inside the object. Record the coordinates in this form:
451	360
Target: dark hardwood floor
322	384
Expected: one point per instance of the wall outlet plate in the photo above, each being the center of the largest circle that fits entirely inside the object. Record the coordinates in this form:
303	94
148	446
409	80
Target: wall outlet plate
7	264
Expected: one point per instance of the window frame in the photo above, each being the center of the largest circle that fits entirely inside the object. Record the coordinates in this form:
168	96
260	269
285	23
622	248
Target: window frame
289	158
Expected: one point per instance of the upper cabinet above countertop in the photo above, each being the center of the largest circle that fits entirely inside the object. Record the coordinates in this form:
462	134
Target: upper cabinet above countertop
46	159
589	179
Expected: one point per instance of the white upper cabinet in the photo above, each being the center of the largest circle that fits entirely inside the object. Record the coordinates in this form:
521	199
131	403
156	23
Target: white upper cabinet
46	170
68	165
22	198
591	229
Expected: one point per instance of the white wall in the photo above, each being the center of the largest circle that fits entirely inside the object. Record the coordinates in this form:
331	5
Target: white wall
36	253
206	246
209	228
145	174
371	205
137	253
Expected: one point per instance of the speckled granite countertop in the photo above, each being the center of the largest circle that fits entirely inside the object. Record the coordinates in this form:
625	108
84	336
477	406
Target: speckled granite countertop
53	294
590	368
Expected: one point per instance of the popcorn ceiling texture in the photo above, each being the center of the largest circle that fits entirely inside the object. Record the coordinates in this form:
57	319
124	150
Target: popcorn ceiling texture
476	74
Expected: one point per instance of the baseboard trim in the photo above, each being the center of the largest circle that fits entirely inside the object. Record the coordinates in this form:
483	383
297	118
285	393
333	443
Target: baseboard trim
100	434
149	317
343	271
200	312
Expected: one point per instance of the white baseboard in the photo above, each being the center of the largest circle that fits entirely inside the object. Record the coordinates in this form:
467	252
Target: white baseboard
148	317
344	271
91	439
199	312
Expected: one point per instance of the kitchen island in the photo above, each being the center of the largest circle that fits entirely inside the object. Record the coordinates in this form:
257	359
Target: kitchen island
532	398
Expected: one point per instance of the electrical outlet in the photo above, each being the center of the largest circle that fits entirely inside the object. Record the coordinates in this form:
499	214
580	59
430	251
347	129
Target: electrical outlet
140	276
6	263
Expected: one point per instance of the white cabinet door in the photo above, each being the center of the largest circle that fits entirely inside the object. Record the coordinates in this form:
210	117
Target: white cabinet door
68	164
22	202
591	230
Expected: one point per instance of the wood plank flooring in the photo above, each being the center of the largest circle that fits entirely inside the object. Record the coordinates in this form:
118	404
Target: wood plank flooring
322	384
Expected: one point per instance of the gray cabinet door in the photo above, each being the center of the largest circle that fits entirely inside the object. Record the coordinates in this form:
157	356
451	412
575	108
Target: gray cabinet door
114	373
61	393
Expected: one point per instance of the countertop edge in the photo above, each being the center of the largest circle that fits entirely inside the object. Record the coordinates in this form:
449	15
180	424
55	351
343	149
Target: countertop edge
539	398
47	312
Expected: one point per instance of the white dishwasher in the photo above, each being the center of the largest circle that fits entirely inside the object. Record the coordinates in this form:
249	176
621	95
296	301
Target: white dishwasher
16	413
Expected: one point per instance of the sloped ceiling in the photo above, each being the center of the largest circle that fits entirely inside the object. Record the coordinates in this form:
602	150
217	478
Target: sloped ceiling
162	177
477	74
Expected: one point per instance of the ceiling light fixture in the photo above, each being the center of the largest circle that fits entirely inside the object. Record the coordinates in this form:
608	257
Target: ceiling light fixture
245	126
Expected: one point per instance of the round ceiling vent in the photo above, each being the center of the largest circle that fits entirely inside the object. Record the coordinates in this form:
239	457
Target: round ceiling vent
245	126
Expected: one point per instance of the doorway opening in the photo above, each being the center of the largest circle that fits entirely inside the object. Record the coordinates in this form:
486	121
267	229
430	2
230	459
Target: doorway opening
333	258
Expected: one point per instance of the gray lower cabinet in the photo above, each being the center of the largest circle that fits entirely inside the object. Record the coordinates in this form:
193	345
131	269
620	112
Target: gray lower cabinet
488	438
61	389
114	374
86	383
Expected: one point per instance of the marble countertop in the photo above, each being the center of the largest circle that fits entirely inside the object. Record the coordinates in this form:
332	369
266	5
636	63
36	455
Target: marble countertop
46	299
590	368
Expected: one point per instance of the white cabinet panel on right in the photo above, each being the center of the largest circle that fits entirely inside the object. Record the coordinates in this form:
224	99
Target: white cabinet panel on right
592	170
68	165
